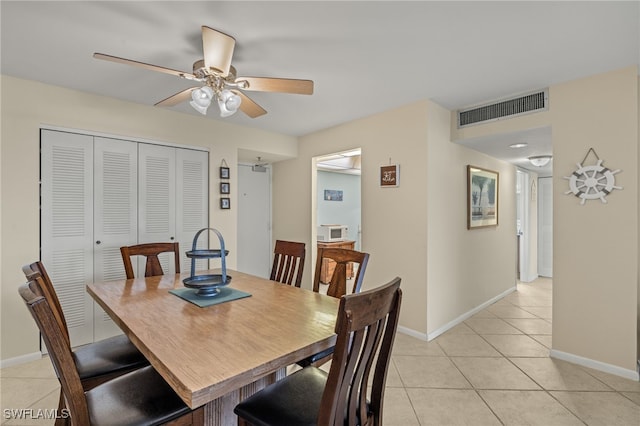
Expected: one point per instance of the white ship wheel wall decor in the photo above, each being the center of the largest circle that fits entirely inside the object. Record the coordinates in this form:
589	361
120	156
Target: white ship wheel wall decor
592	182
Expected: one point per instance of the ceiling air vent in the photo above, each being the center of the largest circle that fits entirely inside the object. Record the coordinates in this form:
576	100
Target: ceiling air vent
525	104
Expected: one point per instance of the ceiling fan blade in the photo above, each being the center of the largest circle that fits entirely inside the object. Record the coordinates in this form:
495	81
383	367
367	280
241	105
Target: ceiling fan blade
283	85
248	106
144	65
218	50
177	98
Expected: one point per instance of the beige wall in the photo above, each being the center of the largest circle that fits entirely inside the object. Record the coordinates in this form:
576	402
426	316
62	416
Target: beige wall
595	248
409	231
595	257
393	219
27	105
465	268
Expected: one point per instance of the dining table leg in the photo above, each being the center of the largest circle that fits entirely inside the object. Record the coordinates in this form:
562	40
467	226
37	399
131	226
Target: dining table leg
219	412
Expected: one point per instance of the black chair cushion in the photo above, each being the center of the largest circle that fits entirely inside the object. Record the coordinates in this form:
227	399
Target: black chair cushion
107	356
316	357
292	401
140	397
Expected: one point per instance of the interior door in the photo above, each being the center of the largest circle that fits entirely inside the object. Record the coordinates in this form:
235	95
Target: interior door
90	208
156	201
192	202
545	227
67	225
523	225
115	216
254	221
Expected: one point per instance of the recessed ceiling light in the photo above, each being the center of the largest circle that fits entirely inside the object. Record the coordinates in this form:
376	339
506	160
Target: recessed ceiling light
518	145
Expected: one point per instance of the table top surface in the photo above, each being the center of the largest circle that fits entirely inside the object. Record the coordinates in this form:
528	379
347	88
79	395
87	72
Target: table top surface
205	353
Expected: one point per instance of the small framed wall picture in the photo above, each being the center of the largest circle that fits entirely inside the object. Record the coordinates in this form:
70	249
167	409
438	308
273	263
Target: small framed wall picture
332	195
224	173
225	203
482	197
225	188
390	176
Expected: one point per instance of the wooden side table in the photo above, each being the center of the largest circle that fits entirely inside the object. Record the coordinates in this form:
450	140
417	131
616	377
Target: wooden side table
329	265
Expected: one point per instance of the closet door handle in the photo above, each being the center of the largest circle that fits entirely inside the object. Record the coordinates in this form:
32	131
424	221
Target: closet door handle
172	238
98	242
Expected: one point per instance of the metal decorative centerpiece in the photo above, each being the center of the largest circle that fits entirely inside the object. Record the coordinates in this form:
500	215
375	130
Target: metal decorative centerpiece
207	285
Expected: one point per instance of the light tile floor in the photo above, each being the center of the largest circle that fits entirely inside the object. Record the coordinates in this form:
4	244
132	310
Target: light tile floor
493	369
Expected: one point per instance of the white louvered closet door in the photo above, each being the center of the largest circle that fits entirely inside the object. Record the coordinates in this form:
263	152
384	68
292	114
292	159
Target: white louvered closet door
67	225
192	180
98	194
115	216
156	200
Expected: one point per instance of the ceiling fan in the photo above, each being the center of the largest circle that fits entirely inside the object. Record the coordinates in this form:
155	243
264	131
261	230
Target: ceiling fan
219	79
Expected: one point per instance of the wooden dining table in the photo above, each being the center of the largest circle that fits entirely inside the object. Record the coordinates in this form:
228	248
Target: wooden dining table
218	355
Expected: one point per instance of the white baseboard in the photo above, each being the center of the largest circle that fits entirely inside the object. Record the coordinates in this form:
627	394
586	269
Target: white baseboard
467	315
412	333
596	365
10	362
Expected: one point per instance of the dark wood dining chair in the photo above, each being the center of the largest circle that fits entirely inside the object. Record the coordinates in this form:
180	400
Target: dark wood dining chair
288	262
138	397
366	327
343	258
95	362
151	251
337	285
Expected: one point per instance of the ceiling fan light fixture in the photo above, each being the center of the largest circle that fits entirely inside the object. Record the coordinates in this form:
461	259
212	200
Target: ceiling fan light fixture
201	99
540	160
202	110
228	102
219	79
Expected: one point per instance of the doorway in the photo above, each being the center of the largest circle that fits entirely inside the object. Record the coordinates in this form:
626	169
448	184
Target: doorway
338	198
534	226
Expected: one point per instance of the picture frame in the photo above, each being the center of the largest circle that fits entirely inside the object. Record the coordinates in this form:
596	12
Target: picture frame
225	203
225	187
333	195
482	197
390	176
224	173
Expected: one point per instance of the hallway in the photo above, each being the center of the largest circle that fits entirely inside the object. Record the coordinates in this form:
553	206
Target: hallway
493	369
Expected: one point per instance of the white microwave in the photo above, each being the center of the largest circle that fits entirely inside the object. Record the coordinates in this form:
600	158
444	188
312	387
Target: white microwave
328	233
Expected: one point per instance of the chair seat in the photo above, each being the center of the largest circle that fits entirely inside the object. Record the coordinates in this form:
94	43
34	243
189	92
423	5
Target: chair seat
121	401
316	357
292	401
107	356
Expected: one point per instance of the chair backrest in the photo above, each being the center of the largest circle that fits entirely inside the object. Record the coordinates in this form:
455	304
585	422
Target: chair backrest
37	269
342	257
366	327
151	251
57	344
288	262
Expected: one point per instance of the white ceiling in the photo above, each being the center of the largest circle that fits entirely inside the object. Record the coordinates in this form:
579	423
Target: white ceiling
365	57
